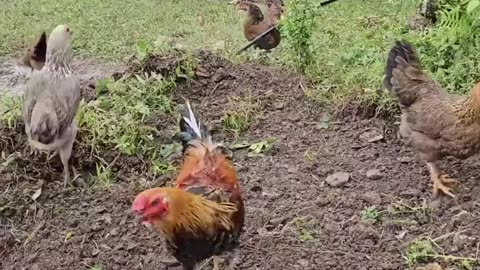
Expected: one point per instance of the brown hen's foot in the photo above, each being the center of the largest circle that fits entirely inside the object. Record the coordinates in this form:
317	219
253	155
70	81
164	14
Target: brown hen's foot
440	182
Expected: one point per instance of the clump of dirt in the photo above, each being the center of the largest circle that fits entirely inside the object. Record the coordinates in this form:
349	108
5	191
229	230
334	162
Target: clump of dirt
331	194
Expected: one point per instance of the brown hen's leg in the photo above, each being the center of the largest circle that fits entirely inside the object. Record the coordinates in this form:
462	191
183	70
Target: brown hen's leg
440	181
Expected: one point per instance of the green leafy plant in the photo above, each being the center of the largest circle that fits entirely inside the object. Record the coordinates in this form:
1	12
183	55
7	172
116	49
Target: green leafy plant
371	213
297	30
10	109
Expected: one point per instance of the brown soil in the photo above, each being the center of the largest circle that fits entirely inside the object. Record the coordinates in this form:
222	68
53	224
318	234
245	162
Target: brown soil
295	219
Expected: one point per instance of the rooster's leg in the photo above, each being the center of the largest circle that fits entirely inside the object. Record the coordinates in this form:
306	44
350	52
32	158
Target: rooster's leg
233	260
216	263
440	181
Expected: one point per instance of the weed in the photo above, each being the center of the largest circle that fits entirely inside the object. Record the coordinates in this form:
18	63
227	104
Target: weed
419	250
10	109
371	213
104	176
423	249
119	118
239	118
297	29
304	233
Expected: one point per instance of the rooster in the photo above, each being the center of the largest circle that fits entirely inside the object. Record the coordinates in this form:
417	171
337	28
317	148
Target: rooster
203	215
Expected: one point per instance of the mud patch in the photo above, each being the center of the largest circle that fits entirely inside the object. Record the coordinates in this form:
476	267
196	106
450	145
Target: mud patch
295	219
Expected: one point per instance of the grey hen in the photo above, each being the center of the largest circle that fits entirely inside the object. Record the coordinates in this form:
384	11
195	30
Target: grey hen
51	100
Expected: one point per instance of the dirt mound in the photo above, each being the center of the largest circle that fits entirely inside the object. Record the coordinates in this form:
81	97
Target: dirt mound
363	218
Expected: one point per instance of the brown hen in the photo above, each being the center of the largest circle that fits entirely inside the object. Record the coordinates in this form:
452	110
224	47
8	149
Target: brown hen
437	124
256	23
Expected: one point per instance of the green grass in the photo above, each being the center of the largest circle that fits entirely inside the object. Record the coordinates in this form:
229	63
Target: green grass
111	29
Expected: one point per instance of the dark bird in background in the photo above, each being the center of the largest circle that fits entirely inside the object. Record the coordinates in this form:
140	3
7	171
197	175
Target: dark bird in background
256	22
35	55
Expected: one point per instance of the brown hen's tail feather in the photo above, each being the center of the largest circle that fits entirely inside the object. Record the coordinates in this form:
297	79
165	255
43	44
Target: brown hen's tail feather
403	67
192	129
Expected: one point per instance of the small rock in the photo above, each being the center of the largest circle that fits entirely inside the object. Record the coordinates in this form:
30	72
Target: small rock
114	232
371	136
131	246
277	221
405	160
95	252
279	105
303	262
459	240
106	247
292	170
338	179
372	198
375	138
374	174
411	192
294	118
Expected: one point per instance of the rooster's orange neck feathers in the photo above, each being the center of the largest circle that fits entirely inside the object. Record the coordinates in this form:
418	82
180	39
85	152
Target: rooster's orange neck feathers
192	213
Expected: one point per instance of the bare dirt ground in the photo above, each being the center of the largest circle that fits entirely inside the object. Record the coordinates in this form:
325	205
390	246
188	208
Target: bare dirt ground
295	218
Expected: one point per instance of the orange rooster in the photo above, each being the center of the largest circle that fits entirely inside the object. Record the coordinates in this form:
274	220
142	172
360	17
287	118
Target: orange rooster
203	215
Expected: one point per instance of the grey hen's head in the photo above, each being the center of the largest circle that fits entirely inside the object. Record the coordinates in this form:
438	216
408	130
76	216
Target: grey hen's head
59	51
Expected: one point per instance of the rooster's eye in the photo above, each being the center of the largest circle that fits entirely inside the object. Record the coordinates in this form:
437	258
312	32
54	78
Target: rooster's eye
155	202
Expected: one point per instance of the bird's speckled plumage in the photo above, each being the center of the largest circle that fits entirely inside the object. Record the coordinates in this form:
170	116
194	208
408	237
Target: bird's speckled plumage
436	123
51	99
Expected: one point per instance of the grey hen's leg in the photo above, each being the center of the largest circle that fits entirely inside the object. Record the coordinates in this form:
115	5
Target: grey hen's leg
65	153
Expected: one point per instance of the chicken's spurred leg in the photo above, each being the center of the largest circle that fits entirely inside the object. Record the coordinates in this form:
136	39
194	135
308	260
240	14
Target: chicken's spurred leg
232	260
440	181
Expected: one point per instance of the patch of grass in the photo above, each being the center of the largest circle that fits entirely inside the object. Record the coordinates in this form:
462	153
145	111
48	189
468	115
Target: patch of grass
424	249
10	109
371	213
112	28
238	119
420	250
119	117
303	230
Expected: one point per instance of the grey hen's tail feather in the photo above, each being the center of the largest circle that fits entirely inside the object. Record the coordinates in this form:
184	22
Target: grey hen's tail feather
192	129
